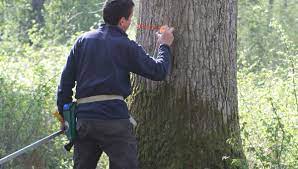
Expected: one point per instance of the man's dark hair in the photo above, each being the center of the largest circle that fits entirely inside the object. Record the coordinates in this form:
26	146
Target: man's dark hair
114	10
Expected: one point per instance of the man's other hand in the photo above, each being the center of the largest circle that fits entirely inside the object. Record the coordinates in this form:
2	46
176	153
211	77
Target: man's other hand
166	37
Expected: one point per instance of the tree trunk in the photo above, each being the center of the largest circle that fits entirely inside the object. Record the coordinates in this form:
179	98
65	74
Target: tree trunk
190	121
37	6
270	9
270	14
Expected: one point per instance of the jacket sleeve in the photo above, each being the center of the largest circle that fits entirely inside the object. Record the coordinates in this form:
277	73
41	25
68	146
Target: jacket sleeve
139	62
67	81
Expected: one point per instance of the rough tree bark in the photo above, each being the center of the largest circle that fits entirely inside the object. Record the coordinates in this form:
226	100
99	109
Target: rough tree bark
185	122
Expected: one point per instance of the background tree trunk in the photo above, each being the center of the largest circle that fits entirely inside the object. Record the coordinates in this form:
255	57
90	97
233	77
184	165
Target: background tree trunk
185	122
270	10
37	7
286	4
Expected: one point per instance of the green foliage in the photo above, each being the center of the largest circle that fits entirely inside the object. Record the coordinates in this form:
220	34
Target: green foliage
60	19
28	83
67	17
16	19
262	31
269	120
267	80
28	80
31	60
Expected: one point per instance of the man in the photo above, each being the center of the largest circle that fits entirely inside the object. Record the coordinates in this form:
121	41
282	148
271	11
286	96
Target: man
99	64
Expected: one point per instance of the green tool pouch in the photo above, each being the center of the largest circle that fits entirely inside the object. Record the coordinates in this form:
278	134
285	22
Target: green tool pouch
69	114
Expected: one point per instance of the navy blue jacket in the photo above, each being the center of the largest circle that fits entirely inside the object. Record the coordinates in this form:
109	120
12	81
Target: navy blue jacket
100	63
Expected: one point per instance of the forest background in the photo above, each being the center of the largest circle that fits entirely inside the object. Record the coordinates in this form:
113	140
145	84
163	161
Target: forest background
36	36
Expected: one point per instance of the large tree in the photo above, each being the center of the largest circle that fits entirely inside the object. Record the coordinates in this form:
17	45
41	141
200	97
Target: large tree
190	121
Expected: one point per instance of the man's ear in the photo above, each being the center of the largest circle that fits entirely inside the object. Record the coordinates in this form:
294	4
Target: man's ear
121	21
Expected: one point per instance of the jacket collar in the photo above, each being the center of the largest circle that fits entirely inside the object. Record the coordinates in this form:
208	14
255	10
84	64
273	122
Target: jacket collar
113	28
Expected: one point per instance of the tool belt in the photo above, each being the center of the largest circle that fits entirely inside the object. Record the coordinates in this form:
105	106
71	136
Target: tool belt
104	98
69	114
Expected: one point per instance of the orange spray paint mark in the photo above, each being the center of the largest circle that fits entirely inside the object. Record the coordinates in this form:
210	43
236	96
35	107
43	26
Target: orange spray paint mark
161	29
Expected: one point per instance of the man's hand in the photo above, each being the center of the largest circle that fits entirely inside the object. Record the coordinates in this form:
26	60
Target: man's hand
63	127
166	36
60	118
